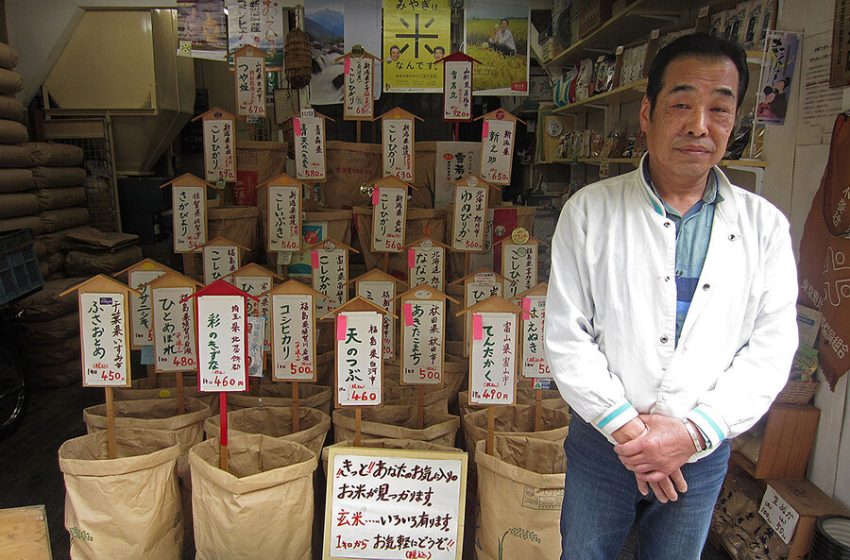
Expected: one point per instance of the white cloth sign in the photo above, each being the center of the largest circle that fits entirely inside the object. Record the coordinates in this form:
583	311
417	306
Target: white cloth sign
398	154
284	219
358	351
493	361
189	210
103	329
174	326
221	343
219	150
293	338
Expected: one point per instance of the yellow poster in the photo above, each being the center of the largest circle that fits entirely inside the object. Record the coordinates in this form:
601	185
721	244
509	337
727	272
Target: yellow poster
416	35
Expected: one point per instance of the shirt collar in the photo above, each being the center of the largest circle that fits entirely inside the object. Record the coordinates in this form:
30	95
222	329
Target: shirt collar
711	195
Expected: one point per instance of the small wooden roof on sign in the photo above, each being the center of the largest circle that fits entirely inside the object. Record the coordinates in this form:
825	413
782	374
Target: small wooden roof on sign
391	181
174	279
376	275
249	50
100	284
493	304
216	113
539	290
399	113
433	293
459	56
221	288
500	115
187	180
360	303
144	265
254	269
478	182
220	241
357	51
471	276
418	243
531	241
321	245
282	180
295	288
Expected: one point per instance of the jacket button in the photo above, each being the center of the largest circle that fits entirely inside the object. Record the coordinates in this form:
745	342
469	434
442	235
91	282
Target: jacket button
666	278
664	340
706	286
667	224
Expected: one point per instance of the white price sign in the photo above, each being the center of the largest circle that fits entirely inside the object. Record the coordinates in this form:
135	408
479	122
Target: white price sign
310	161
389	217
222	345
250	86
358	350
382	294
482	287
284	219
519	267
103	327
457	96
497	151
174	325
294	354
422	342
534	363
779	514
220	150
398	153
469	217
219	261
257	286
189	210
358	95
425	265
141	333
256	334
492	374
330	275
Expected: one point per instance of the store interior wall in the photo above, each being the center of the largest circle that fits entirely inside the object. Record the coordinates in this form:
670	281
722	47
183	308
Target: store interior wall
791	179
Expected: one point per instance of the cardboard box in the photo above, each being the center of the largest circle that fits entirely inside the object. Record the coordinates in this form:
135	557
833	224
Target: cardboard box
592	14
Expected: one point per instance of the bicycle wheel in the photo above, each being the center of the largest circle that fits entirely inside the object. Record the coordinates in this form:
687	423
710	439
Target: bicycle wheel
13	391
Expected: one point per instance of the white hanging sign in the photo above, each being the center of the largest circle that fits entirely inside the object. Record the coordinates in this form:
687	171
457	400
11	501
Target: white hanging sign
398	155
779	514
294	342
382	294
219	261
257	286
189	209
284	219
519	267
103	327
358	353
422	342
455	160
534	363
222	349
219	150
469	215
358	100
174	327
492	374
426	265
310	160
497	151
389	217
256	334
457	97
141	332
330	276
483	286
250	85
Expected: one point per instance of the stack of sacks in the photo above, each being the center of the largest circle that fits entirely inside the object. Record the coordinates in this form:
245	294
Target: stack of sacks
47	335
90	251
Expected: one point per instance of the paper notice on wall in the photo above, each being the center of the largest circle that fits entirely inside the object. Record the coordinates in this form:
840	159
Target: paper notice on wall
819	103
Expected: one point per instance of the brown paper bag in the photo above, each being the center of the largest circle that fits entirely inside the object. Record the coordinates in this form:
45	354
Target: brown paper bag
280	394
520	492
163	386
419	222
551	399
398	422
126	508
517	421
275	422
261	508
397	394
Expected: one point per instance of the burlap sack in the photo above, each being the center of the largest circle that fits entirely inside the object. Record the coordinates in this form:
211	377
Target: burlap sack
57	177
397	422
349	166
8	57
37	355
261	508
40	249
46	305
14	205
32	223
280	394
515	420
419	221
17	156
324	366
386	444
54	242
53	199
396	393
59	374
520	492
336	224
11	108
551	399
10	82
89	264
12	132
154	415
65	218
55	263
45	333
275	422
95	241
256	163
14	180
236	223
127	507
163	386
44	154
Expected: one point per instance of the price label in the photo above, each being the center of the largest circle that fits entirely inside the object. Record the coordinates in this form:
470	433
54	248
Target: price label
779	514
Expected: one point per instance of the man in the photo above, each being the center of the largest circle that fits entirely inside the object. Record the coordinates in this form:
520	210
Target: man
439	53
779	105
502	40
670	321
395	53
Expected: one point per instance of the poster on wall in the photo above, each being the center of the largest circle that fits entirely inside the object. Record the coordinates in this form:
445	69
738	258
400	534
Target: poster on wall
259	25
324	22
416	36
201	29
496	34
777	76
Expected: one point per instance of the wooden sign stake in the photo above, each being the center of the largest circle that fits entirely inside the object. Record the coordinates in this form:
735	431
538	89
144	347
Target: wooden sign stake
358	424
111	445
491	429
181	394
189	265
538	409
420	407
222	413
296	412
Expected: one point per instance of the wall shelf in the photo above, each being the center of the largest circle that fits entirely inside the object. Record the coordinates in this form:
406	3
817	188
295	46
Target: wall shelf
623	94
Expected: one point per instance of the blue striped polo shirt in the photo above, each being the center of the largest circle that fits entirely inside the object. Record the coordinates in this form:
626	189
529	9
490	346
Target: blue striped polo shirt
693	232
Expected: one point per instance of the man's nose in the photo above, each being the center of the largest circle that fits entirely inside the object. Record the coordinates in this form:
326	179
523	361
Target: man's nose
697	123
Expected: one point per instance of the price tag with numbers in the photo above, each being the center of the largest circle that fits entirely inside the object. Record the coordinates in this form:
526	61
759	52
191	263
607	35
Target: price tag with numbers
779	514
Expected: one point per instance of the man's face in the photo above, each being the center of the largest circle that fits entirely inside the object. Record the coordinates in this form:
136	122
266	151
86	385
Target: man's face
394	53
439	54
779	86
503	24
693	117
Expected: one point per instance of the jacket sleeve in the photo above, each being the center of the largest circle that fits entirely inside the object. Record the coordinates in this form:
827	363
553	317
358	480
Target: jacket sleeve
579	367
760	369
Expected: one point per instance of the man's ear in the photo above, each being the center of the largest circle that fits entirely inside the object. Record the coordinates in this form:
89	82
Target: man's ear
645	117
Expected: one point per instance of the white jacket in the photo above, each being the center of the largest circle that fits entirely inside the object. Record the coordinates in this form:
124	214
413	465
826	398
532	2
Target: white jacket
611	310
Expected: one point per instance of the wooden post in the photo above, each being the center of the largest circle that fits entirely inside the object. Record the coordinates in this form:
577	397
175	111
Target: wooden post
467	259
111	445
358	421
181	394
457	132
491	430
386	263
538	408
296	409
222	411
420	407
150	369
358	132
189	264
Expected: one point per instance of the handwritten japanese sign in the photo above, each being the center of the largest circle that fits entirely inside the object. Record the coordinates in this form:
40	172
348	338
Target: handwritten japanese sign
395	504
219	261
219	149
426	265
457	94
382	294
398	150
493	360
389	217
468	218
250	66
358	97
330	275
422	342
359	373
256	335
519	267
174	327
284	219
294	343
103	327
141	332
256	286
222	349
480	288
497	150
310	157
534	363
455	160
261	24
189	209
779	514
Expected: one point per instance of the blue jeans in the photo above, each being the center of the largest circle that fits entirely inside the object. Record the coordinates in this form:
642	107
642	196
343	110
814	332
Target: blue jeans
602	502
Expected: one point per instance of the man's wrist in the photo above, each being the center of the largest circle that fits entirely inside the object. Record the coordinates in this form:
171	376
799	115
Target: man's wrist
632	429
696	435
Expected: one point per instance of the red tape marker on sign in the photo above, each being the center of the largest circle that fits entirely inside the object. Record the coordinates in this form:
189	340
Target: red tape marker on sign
347	68
526	309
341	324
477	327
485	130
408	314
411	258
296	126
375	196
315	259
